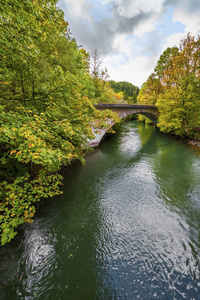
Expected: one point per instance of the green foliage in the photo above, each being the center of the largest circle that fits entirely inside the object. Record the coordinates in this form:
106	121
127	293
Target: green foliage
174	88
110	91
19	197
129	90
150	90
46	107
179	103
144	119
164	60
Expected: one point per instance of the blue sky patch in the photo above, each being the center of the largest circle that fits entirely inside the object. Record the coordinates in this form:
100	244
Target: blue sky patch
166	26
119	58
151	43
100	11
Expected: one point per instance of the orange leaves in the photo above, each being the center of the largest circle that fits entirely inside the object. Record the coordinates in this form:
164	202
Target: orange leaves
30	145
19	152
12	151
117	97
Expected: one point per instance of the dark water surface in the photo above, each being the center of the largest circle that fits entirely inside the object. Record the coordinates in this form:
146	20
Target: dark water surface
126	227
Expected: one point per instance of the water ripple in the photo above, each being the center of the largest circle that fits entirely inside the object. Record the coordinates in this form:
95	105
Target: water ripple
126	227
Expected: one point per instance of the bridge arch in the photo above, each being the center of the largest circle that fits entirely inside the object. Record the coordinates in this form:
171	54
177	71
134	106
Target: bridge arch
151	116
123	111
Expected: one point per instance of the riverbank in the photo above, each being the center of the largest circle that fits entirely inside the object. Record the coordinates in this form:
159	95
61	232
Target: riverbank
185	140
192	142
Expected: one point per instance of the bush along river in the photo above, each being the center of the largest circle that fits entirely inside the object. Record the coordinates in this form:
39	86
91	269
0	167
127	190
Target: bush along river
126	227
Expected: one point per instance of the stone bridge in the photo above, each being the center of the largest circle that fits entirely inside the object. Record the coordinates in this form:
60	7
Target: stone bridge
123	111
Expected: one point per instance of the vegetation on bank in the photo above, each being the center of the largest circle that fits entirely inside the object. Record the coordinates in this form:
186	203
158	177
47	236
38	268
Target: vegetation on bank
174	87
47	112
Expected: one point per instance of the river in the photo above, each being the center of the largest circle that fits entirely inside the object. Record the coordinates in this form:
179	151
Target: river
126	227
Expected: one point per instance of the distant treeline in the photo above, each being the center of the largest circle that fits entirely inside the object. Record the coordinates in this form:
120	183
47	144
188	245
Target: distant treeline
129	90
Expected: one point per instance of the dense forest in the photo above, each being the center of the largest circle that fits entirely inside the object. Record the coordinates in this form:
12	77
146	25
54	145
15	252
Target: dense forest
47	112
174	87
128	91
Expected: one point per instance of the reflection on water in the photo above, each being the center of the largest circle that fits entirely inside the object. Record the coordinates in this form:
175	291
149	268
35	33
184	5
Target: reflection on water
126	227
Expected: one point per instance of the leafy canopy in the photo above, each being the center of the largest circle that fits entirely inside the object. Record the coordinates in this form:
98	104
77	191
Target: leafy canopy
174	88
47	112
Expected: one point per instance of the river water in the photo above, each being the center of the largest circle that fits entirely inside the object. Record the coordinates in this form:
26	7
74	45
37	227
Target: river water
126	227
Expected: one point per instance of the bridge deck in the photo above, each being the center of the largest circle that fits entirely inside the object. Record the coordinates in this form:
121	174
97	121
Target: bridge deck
121	105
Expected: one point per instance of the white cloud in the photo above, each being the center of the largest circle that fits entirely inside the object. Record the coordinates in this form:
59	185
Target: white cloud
129	8
192	21
78	9
119	44
135	71
132	40
146	26
172	40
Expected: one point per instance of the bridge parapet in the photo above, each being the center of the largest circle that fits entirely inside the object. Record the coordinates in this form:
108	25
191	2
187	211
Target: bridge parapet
123	105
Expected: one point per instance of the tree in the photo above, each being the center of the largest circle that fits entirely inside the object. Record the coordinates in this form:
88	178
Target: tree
153	87
95	64
179	105
46	108
174	88
163	62
99	77
86	59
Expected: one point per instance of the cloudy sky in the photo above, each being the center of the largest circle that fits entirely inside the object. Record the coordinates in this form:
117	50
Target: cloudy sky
130	35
